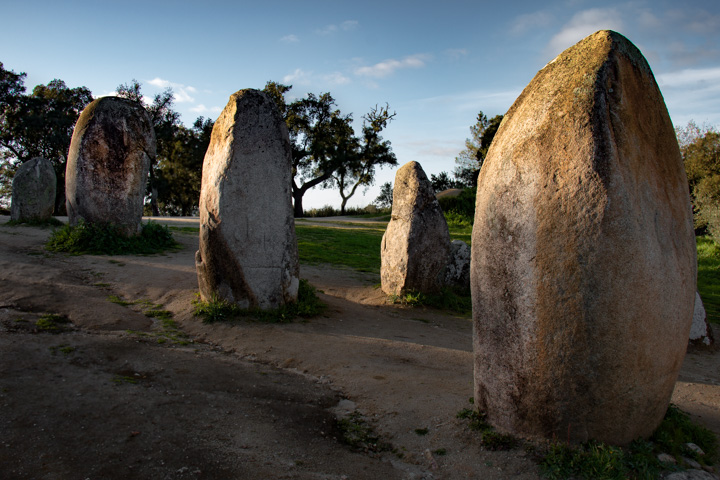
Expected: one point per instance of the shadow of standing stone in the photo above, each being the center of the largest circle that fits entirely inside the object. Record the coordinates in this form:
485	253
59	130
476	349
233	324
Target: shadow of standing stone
110	153
33	191
248	250
583	253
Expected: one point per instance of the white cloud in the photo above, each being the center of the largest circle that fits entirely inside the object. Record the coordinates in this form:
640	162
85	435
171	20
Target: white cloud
388	67
203	109
455	53
692	94
301	77
290	39
181	93
346	26
530	21
691	78
581	25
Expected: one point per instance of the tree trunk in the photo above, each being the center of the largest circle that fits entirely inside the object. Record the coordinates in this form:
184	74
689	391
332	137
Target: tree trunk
297	201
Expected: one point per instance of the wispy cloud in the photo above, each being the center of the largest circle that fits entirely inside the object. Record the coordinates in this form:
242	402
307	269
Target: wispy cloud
301	77
390	66
203	109
290	39
455	53
181	93
530	21
345	26
691	78
583	24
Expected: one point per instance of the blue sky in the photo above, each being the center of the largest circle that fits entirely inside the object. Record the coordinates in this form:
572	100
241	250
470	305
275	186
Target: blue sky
435	63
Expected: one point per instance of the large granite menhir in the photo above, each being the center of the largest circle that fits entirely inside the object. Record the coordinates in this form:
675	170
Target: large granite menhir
248	251
110	153
33	191
583	254
416	245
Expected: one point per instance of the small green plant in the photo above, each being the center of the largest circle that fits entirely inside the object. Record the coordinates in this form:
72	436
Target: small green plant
107	239
358	434
52	323
446	299
217	309
595	460
119	301
491	439
421	431
122	379
64	348
159	314
440	452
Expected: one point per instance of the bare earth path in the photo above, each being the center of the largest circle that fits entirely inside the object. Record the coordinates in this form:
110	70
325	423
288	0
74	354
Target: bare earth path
242	401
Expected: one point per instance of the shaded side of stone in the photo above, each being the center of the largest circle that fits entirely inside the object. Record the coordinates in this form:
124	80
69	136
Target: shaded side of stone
416	245
583	253
248	250
33	191
110	153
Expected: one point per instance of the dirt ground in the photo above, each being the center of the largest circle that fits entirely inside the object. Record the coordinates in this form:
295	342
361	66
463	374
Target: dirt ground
118	395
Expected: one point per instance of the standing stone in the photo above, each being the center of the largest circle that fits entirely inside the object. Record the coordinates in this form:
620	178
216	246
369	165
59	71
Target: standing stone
110	153
416	245
457	272
248	251
33	191
701	333
583	253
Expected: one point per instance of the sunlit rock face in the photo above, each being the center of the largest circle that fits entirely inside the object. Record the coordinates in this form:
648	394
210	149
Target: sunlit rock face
248	251
583	264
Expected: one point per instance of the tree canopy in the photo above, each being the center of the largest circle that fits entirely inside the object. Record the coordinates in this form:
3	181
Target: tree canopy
325	149
37	125
469	161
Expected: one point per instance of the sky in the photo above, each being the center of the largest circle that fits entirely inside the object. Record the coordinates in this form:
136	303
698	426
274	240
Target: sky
436	64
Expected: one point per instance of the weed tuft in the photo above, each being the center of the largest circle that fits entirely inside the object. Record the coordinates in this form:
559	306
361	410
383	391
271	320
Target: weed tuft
491	439
52	323
218	309
356	433
107	239
446	299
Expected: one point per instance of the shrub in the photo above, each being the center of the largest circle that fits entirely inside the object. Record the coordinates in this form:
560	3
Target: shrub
107	239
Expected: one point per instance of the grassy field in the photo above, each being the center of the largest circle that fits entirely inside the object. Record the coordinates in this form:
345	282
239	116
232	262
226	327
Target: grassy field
708	253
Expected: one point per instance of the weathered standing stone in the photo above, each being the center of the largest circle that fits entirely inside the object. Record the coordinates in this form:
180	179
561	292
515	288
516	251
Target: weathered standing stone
33	191
248	251
457	272
583	253
110	153
416	244
700	331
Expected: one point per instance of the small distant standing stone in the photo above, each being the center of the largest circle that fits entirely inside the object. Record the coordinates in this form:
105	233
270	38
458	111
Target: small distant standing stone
110	153
248	250
33	191
416	245
701	333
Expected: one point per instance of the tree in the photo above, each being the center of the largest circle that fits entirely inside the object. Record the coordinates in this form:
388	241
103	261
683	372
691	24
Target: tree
700	148
364	155
470	159
325	149
39	124
443	182
385	199
165	121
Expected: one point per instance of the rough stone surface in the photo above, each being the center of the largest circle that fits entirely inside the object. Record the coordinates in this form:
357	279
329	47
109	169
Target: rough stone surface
110	153
416	245
457	272
583	253
700	331
33	191
691	475
248	251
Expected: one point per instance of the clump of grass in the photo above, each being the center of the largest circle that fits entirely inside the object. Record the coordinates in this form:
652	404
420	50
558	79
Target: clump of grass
358	434
52	323
36	222
595	460
107	239
491	439
708	281
217	309
64	348
422	431
446	299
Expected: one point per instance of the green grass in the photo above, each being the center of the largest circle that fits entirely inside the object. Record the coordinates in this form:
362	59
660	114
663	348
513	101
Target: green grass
357	248
358	434
220	310
491	439
708	282
446	299
595	460
52	323
106	239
